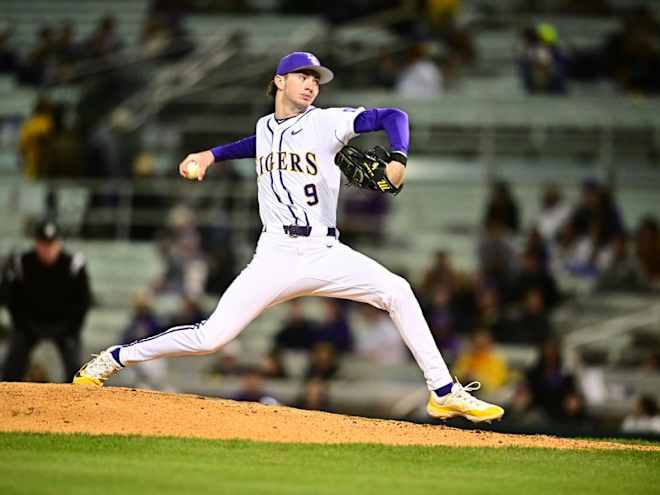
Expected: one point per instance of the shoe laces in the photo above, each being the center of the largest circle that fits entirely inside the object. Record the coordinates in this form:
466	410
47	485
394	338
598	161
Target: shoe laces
463	392
102	366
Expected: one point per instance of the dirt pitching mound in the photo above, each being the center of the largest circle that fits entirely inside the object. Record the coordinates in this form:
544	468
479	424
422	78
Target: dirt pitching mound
55	408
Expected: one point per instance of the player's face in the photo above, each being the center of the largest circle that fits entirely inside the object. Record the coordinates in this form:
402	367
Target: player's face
302	88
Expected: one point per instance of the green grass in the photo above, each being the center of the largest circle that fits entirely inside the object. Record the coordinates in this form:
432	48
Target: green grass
78	464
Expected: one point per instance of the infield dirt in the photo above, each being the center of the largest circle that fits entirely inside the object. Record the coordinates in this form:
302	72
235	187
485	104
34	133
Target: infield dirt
57	408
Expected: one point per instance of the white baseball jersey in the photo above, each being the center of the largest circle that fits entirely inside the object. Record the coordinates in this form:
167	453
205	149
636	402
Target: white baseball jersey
297	179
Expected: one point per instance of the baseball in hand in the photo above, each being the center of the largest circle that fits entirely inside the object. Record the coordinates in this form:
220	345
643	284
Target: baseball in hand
192	170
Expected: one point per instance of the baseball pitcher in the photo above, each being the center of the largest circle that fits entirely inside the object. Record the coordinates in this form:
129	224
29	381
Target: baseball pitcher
299	154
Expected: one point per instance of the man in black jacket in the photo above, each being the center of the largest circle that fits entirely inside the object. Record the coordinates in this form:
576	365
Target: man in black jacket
47	293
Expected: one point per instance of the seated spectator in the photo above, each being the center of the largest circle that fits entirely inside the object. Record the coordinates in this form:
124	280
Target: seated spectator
441	272
185	263
543	65
272	365
482	363
34	144
533	324
553	390
67	52
335	328
555	212
596	214
314	396
297	332
440	317
144	322
502	208
66	150
490	314
647	249
8	56
496	255
252	389
617	267
104	42
532	275
35	69
631	54
644	419
420	77
323	362
381	343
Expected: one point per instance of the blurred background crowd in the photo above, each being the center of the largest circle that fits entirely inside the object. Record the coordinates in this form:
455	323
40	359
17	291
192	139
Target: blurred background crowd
529	226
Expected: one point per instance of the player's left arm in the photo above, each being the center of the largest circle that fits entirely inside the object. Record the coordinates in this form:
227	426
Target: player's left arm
395	124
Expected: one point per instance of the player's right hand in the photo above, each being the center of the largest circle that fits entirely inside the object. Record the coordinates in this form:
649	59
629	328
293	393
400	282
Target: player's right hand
204	159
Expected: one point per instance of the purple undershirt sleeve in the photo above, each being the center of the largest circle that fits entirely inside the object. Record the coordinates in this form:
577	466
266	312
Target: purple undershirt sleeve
243	148
392	120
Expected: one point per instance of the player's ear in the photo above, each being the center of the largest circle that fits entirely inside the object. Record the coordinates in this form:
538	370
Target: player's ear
279	81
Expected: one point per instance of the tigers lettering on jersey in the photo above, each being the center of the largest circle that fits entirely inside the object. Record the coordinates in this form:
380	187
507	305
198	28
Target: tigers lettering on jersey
289	161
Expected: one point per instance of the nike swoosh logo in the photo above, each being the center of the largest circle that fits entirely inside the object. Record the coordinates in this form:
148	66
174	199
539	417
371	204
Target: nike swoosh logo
293	133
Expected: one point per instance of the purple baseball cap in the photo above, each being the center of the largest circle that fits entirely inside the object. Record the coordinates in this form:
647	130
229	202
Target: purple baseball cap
296	61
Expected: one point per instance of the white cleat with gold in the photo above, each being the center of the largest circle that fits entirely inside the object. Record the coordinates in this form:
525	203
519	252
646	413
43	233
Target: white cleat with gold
459	402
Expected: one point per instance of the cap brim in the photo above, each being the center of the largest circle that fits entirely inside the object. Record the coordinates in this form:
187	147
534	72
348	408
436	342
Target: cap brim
325	74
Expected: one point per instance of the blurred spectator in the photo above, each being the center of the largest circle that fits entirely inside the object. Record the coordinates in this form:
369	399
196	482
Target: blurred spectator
555	212
34	144
496	255
502	208
647	249
532	275
443	16
482	363
617	267
185	264
543	65
420	77
144	322
252	389
644	419
8	56
552	389
67	52
48	296
381	343
533	324
298	332
314	396
490	312
104	42
596	216
67	155
35	68
536	246
335	328
441	320
272	364
632	54
323	362
441	272
594	223
163	34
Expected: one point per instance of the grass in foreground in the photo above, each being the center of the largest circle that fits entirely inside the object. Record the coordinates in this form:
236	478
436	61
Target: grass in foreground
77	464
